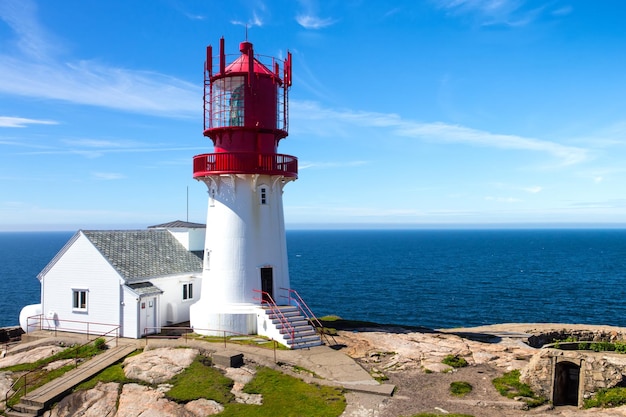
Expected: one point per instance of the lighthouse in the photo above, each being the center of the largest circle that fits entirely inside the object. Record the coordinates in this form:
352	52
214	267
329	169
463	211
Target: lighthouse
245	253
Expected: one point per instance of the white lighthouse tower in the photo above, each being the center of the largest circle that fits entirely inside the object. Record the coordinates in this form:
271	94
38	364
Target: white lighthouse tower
245	259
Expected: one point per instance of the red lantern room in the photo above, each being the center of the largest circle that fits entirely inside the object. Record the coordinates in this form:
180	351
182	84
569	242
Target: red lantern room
245	115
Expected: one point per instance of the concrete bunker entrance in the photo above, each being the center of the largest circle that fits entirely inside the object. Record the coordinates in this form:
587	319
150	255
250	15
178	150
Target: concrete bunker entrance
566	383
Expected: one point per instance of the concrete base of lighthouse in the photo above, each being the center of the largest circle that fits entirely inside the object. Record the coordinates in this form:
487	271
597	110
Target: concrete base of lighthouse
229	319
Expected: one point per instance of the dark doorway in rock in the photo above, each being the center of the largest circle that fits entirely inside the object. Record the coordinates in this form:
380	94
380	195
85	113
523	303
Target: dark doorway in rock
566	383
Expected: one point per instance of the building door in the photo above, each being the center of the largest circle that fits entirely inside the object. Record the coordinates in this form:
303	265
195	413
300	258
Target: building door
267	284
147	316
566	383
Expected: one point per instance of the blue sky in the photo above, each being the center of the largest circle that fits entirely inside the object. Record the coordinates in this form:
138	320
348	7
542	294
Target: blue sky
433	112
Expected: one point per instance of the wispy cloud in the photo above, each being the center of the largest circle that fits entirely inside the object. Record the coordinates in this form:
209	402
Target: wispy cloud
437	131
33	71
6	121
493	12
309	17
533	190
254	20
107	176
314	22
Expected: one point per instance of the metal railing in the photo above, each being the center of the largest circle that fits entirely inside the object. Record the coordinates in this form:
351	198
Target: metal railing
151	333
294	299
246	163
27	382
267	300
89	328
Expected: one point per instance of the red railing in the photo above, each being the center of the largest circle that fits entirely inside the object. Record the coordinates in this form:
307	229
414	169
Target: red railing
294	299
245	163
266	299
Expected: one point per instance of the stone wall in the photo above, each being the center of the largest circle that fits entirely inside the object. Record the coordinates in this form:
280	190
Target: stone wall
597	370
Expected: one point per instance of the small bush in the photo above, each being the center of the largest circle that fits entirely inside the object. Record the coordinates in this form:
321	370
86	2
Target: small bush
100	343
610	397
454	361
460	388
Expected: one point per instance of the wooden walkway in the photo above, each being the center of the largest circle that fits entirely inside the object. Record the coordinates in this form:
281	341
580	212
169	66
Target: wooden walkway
33	403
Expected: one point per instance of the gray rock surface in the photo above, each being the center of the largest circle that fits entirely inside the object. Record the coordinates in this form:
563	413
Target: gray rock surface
158	365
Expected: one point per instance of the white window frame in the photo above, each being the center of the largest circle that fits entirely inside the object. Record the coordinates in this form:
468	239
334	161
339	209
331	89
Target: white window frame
80	300
188	291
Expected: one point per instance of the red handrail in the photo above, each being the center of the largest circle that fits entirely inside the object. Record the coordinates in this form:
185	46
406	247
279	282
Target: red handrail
266	298
306	311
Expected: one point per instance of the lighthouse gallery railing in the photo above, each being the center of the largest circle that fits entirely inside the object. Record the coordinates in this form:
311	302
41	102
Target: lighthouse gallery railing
244	163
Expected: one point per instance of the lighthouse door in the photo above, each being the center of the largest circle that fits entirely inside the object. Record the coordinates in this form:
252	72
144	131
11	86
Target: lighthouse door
267	284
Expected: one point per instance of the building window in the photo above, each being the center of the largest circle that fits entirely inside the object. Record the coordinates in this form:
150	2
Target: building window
263	195
187	291
79	300
212	197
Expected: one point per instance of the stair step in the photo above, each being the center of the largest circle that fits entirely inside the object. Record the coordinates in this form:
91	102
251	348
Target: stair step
28	409
32	403
15	413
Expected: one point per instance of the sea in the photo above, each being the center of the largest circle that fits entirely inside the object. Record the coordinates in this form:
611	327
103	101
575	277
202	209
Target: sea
431	278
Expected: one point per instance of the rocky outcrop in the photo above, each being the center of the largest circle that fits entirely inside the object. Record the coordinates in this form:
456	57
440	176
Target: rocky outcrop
141	401
100	401
399	351
30	356
158	365
134	400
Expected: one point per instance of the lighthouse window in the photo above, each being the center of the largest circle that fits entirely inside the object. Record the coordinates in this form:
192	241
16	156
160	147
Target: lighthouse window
263	195
227	102
79	300
187	291
212	197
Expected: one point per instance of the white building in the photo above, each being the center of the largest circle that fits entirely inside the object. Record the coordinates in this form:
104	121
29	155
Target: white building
135	280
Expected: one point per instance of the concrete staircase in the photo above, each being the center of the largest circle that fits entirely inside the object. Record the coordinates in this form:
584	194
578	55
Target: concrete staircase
305	335
35	402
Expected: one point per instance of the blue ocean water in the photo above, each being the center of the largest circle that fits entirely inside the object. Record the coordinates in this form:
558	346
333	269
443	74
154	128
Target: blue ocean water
432	278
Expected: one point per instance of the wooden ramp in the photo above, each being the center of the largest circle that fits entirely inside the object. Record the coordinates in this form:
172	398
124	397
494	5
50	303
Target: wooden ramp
35	402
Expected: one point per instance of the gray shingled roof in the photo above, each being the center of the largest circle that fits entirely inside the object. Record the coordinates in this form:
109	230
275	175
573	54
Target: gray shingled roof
145	288
178	224
141	254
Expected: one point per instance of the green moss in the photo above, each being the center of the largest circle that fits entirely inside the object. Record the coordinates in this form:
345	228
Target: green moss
460	388
611	397
510	386
454	361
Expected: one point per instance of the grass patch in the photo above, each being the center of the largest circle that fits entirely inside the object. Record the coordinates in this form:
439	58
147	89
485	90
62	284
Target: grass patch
240	340
608	397
114	373
286	396
454	361
200	380
460	388
510	386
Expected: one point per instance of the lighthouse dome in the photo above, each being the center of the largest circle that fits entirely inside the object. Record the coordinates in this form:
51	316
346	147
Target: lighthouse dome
242	64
